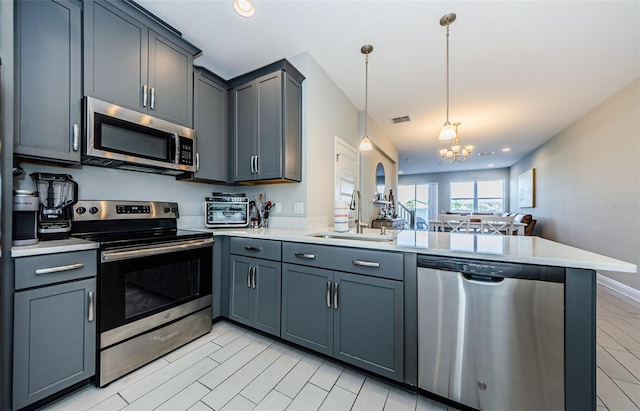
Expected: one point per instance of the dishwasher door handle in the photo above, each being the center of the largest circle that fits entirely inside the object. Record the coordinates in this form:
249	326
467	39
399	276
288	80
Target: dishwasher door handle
481	279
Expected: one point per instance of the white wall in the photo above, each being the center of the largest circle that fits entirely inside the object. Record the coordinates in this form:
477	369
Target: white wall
588	182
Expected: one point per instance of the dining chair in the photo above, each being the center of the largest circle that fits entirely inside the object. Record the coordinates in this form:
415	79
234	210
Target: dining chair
493	224
454	223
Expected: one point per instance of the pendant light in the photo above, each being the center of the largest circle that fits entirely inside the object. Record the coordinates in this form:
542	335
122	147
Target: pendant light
365	143
449	131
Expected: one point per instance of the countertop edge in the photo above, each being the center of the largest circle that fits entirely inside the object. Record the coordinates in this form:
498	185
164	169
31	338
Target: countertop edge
53	247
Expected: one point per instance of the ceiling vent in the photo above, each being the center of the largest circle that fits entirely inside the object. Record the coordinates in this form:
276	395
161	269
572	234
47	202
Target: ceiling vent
486	153
403	119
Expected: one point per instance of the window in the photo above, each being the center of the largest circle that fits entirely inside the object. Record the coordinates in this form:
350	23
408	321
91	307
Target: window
485	196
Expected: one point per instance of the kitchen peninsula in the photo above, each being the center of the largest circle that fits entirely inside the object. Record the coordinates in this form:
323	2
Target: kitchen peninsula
370	290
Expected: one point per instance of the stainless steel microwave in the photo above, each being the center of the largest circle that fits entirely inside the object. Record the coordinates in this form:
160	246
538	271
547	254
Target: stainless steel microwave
117	137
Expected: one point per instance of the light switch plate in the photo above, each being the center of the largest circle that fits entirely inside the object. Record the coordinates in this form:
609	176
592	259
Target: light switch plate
278	207
298	208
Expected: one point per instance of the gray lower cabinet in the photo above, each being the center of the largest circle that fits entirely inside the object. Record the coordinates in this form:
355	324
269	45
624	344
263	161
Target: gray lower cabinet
134	61
254	293
210	115
355	318
54	335
48	81
265	132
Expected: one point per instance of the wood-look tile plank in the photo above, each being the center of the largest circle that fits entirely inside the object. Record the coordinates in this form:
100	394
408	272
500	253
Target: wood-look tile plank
267	380
217	330
601	408
426	404
232	348
628	361
310	398
625	326
631	390
232	386
239	403
233	364
372	396
327	375
612	367
351	380
115	402
92	395
599	401
293	382
611	395
199	406
400	400
619	335
605	340
229	336
171	387
140	388
338	399
274	401
614	308
185	398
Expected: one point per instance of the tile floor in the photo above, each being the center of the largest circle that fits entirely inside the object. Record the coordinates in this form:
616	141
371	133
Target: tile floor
234	369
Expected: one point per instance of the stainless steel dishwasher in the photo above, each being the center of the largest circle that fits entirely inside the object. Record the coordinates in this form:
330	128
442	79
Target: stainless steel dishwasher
491	335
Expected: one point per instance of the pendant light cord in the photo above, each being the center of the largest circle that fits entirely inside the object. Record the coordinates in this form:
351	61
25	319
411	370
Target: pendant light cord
366	92
447	75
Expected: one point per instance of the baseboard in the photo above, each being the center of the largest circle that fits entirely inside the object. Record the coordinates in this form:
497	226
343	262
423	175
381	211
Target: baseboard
618	287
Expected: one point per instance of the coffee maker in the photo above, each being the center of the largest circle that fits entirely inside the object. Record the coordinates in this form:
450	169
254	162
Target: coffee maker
58	194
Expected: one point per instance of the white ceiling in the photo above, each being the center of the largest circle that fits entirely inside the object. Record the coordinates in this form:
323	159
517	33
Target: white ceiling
520	71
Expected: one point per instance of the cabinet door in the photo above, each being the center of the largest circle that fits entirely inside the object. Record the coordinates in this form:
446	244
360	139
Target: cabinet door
269	138
307	311
266	307
292	151
170	81
49	89
115	56
368	323
210	122
54	340
240	292
245	123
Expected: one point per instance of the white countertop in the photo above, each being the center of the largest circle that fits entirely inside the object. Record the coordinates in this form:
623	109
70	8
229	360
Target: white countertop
52	247
518	249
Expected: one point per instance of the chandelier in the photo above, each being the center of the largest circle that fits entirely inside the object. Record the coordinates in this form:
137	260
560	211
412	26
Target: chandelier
454	153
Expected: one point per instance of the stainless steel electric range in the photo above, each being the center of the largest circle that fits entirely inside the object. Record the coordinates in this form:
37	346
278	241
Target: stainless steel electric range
154	281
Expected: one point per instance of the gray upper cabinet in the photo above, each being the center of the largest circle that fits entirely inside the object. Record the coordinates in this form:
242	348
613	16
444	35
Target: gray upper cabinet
48	80
54	324
210	115
266	125
137	62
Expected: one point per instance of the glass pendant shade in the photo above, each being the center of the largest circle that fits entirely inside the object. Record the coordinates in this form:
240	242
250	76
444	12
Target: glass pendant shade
365	144
448	132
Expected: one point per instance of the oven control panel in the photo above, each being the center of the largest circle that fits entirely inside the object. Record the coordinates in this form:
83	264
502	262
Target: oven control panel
91	210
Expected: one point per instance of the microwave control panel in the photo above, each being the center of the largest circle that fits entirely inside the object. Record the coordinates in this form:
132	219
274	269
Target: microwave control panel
186	151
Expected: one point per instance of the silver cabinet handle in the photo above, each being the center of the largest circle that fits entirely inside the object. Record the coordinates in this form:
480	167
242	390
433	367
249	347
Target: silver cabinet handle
257	164
335	295
253	165
197	161
144	96
255	271
76	137
366	263
153	98
328	294
92	309
307	256
59	268
249	276
249	248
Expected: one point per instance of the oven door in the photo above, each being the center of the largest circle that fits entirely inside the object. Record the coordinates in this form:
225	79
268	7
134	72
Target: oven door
144	287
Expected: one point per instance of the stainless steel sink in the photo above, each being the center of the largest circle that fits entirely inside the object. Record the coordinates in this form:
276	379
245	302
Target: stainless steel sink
354	236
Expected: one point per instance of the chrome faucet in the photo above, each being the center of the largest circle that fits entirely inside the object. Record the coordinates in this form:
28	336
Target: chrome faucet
356	204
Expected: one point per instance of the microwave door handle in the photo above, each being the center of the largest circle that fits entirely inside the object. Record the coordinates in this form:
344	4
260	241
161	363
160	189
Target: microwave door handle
176	144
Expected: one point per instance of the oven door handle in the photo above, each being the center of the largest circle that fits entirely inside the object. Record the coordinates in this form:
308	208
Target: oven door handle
146	251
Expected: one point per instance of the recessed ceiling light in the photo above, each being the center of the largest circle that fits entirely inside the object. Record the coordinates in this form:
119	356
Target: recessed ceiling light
490	165
399	171
506	149
244	8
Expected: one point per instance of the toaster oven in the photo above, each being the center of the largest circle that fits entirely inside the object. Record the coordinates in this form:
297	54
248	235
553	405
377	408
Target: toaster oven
226	210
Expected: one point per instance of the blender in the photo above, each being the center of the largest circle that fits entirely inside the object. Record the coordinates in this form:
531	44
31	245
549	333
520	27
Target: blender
58	194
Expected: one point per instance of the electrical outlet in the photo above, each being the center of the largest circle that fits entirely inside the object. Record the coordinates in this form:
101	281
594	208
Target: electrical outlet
278	207
298	208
